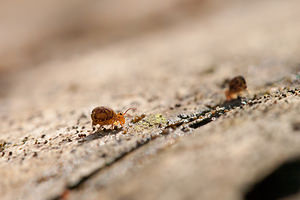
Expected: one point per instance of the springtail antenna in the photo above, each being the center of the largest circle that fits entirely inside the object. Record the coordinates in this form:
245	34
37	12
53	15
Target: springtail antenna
128	110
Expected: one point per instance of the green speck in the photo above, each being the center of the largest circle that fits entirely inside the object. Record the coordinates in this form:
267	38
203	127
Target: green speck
152	120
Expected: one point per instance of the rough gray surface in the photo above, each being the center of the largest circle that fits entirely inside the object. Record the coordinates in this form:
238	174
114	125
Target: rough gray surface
43	155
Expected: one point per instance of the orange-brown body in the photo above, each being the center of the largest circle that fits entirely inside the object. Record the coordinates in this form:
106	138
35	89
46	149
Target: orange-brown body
106	116
236	86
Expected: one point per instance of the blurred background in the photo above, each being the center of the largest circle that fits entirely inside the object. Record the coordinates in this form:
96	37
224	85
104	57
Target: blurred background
47	42
34	31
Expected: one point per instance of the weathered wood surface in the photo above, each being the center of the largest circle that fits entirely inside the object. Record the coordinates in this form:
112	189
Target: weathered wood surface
49	151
